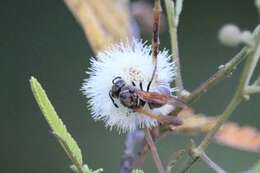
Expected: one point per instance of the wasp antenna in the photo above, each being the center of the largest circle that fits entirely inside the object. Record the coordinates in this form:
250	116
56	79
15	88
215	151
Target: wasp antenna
118	77
113	101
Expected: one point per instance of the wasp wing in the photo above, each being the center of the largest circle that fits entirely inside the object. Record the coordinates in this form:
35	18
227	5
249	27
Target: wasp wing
169	120
158	99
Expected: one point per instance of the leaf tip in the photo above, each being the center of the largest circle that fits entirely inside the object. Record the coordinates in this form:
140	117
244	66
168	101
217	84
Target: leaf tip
32	80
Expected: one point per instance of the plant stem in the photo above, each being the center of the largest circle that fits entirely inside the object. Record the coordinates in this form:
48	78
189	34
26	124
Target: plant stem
188	164
238	97
223	72
236	100
212	164
252	65
175	157
154	152
252	90
173	20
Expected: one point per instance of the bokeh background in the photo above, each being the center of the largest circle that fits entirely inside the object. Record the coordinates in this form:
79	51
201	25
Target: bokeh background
42	38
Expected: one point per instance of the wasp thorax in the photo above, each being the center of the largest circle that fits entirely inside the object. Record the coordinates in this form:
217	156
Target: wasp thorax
128	97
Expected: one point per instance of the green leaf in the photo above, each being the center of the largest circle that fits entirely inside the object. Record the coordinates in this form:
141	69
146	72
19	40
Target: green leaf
137	171
58	128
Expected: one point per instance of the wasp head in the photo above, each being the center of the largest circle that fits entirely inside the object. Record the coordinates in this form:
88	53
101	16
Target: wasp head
118	83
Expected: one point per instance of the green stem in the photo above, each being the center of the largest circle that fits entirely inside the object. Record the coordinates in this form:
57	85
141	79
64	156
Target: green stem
238	97
212	164
224	71
173	20
221	74
252	90
236	100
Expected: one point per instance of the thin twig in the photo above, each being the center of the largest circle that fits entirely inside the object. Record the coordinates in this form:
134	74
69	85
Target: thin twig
252	89
236	100
251	65
174	158
223	72
156	26
155	39
154	152
141	155
145	149
189	163
212	164
173	13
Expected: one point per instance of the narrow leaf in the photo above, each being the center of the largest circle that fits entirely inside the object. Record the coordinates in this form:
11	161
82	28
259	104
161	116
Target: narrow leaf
58	128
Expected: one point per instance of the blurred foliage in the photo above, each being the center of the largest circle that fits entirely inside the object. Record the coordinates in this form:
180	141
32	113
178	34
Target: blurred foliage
256	167
137	171
42	38
104	22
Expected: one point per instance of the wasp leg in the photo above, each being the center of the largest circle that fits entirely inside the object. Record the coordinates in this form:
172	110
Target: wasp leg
142	103
133	83
141	86
150	106
113	101
168	120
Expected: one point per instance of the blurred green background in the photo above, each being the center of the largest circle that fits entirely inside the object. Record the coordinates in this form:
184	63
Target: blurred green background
42	38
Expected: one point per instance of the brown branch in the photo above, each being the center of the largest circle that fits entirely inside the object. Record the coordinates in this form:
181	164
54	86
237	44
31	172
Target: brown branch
221	74
155	38
238	97
154	151
141	155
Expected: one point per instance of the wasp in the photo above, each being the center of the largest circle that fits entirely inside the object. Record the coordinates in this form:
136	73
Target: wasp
133	98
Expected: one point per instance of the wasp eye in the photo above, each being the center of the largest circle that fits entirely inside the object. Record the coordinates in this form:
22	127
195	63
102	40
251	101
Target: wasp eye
116	79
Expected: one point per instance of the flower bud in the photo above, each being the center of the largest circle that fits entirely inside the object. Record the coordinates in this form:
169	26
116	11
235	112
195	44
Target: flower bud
229	35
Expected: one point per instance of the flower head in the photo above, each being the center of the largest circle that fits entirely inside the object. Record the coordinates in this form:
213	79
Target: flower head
133	63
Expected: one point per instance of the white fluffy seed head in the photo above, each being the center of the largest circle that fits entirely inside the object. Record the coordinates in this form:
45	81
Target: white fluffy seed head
133	63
